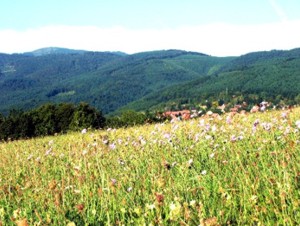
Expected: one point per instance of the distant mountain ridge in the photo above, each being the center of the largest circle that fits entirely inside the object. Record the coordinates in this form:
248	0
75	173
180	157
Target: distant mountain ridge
53	50
112	81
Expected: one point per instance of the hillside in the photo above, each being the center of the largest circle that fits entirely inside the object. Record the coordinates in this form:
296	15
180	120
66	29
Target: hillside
106	80
272	76
225	170
113	81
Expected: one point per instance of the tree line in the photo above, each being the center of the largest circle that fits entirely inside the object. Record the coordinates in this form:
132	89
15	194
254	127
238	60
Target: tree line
50	119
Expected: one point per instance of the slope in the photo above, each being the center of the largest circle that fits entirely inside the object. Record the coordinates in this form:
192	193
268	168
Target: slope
105	80
273	76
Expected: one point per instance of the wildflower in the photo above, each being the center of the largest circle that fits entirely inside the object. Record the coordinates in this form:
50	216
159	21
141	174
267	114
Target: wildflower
113	181
284	115
298	124
120	141
143	142
129	189
256	122
29	157
212	155
209	113
203	172
175	209
233	138
51	142
38	159
228	120
167	136
16	213
77	191
159	198
121	161
192	203
84	131
48	152
105	141
240	137
190	162
208	137
202	123
267	126
84	152
112	146
150	207
77	168
214	128
207	127
68	187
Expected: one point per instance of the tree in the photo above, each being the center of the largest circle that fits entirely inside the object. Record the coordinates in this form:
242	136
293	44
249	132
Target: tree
44	120
86	116
63	116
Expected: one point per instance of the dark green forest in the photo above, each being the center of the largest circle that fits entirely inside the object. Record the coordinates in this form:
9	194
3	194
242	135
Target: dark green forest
150	81
51	119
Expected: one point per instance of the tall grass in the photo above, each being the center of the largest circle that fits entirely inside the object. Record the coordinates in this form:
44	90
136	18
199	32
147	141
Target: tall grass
235	170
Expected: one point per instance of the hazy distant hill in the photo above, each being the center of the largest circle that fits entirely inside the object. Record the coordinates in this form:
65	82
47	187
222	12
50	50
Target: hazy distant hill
150	80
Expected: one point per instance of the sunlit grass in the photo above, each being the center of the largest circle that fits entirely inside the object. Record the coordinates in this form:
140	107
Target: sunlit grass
244	170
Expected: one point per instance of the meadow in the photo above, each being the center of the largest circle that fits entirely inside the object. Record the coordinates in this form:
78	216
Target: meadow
212	170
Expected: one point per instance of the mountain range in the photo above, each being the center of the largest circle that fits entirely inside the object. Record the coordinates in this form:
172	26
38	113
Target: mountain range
115	81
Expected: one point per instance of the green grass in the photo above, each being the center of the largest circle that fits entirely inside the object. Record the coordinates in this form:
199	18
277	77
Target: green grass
203	171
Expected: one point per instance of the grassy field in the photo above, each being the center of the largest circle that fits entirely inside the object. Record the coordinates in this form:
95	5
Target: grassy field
240	170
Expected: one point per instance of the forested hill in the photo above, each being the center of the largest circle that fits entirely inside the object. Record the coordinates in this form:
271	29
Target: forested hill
106	80
273	76
111	81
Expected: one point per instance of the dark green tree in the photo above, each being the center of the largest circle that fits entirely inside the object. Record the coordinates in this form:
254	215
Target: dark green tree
44	120
86	116
63	116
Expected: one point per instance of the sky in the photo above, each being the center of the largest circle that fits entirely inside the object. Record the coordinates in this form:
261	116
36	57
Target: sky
214	27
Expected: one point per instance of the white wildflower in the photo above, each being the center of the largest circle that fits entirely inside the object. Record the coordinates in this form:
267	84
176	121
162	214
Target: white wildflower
192	203
298	123
29	157
151	206
51	142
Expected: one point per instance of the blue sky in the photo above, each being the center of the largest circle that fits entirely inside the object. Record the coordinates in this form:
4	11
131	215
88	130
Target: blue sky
216	27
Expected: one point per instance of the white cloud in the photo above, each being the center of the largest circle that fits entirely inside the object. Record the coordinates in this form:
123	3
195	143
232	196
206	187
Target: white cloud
214	39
